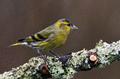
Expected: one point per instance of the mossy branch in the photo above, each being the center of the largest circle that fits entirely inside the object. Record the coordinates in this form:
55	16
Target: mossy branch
66	66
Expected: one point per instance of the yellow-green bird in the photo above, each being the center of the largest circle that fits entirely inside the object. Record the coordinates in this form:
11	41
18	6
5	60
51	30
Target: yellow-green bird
49	38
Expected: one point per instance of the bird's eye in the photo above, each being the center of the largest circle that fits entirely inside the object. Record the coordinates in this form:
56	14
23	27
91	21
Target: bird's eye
68	24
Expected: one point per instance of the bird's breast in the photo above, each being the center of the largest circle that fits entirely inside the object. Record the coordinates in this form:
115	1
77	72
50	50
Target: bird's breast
57	41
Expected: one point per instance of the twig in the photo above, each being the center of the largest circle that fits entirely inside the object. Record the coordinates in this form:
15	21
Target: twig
66	66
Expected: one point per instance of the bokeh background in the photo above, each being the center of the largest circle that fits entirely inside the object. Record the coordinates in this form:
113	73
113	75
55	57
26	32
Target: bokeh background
97	19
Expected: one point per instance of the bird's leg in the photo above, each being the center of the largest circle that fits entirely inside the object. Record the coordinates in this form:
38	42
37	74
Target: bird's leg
39	52
54	54
44	57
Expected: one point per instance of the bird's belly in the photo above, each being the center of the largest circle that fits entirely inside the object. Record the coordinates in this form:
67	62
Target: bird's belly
56	42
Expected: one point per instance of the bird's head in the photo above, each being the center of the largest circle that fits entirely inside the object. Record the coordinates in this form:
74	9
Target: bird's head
65	23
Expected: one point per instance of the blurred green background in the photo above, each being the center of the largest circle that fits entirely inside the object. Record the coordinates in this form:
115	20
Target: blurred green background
96	19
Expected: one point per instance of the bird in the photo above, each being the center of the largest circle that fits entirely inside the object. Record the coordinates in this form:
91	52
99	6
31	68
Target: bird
49	38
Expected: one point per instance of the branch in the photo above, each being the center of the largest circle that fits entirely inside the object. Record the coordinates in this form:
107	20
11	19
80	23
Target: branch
66	66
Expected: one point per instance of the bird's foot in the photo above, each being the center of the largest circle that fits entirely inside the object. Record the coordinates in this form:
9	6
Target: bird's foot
54	54
44	57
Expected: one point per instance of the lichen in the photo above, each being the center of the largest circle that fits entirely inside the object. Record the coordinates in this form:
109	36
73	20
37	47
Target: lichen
66	66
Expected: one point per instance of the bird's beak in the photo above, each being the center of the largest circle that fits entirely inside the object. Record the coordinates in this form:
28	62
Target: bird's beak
74	27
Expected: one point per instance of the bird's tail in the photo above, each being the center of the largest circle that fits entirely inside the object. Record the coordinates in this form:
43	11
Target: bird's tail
17	44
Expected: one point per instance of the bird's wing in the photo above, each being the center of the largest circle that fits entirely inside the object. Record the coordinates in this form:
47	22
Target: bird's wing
47	32
43	35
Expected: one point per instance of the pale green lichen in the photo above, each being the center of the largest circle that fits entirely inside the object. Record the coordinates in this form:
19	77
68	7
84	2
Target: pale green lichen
25	71
55	67
107	52
78	61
